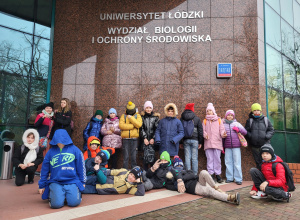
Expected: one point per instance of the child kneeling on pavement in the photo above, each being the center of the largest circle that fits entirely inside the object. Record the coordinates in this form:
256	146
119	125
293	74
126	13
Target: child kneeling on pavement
197	185
265	182
65	165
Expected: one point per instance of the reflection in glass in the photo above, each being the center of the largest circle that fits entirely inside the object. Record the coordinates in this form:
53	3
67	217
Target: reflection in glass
274	68
287	10
42	31
287	37
296	7
275	107
273	36
289	76
16	23
290	113
40	58
274	4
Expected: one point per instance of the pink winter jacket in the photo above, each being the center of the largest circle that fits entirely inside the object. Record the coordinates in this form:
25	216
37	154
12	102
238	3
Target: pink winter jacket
111	140
214	130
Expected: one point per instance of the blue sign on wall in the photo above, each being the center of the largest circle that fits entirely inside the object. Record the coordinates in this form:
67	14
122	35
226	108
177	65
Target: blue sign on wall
224	70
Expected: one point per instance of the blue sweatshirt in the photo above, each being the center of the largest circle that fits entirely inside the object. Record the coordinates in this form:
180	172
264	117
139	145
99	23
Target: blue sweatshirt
65	166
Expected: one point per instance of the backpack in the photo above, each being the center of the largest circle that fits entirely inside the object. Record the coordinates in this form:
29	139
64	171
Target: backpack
288	175
219	119
188	127
265	119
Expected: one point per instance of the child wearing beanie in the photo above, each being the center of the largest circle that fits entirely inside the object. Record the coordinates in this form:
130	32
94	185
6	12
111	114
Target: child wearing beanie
112	135
259	131
130	123
213	132
193	137
266	181
93	128
232	147
150	123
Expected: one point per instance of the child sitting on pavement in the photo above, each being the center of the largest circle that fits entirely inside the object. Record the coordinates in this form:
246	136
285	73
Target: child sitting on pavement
197	185
265	182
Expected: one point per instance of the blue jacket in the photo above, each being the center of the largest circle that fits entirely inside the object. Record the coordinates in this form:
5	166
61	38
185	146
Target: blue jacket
65	166
101	173
168	134
93	128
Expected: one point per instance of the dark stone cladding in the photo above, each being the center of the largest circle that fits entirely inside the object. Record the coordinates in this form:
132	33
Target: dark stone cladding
101	76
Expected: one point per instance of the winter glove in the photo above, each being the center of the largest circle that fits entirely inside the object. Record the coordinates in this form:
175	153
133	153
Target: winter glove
236	129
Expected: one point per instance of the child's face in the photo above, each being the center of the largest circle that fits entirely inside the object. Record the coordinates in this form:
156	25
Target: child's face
94	146
98	160
257	112
148	110
63	103
112	115
229	117
170	112
210	112
266	156
48	109
164	161
99	117
131	177
30	139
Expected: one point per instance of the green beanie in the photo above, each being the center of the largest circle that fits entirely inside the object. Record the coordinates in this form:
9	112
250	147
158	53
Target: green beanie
256	106
99	112
165	156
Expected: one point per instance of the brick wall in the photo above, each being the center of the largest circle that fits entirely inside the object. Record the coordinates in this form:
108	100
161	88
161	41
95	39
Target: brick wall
295	168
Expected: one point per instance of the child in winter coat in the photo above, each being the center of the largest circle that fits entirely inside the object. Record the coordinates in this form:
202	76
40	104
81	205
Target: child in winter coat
259	131
27	157
265	181
202	185
193	143
232	147
93	128
95	171
112	134
62	117
169	131
130	124
65	164
122	181
150	123
213	132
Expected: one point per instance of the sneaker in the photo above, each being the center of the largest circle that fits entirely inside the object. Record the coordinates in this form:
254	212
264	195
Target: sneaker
229	181
260	195
37	173
213	177
219	179
238	183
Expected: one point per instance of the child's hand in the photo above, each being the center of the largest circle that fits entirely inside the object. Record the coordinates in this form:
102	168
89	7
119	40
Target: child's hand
156	165
151	141
206	136
41	191
199	146
109	132
112	129
236	129
180	186
129	116
138	180
146	142
263	186
96	167
23	166
224	135
30	164
253	193
181	146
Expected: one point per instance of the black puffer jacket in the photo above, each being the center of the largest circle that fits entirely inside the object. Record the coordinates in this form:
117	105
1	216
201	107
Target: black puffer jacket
158	178
150	123
198	130
258	134
62	120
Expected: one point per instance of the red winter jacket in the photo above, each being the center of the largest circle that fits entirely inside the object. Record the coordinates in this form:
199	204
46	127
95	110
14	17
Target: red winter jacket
274	181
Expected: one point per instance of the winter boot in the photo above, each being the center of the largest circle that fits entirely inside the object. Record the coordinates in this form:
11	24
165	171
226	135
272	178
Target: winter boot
234	198
219	179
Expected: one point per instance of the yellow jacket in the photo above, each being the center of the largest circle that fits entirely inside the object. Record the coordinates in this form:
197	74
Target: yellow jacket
130	127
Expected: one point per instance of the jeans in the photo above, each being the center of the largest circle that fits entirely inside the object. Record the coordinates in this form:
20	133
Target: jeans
233	164
191	154
59	193
129	148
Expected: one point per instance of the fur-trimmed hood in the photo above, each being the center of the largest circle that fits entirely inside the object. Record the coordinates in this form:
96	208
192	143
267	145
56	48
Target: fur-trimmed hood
155	114
36	137
174	107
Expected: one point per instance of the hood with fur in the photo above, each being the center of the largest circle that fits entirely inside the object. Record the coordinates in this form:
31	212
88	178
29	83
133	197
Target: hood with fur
36	137
174	107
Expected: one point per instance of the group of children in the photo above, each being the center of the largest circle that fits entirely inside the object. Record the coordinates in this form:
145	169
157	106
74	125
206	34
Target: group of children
66	172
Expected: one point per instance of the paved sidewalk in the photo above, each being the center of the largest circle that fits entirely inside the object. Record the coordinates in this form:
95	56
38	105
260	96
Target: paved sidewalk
206	208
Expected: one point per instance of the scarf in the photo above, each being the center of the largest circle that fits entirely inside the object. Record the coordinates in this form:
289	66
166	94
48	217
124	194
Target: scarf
113	119
46	113
257	116
212	117
229	122
96	119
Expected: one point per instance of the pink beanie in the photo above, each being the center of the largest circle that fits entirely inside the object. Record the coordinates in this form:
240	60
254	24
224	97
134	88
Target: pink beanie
148	104
229	112
210	106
